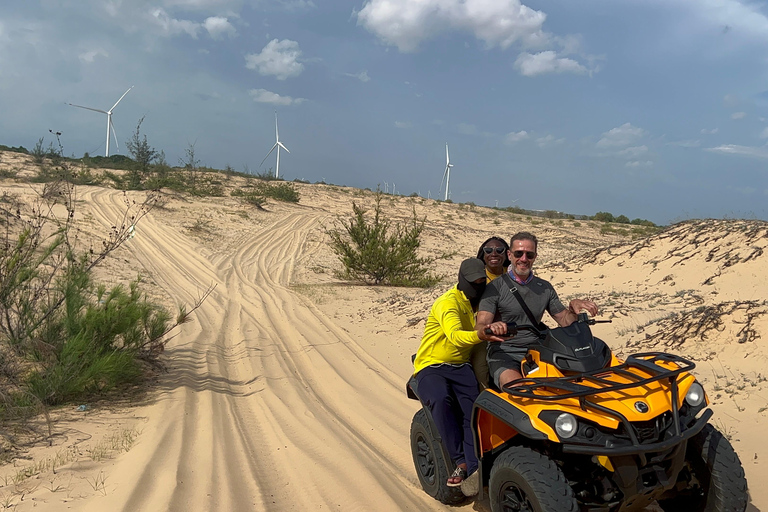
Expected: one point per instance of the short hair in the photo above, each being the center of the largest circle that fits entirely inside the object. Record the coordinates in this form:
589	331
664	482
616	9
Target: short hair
524	235
502	242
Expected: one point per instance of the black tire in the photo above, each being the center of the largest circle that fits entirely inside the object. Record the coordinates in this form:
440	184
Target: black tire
713	473
523	480
430	463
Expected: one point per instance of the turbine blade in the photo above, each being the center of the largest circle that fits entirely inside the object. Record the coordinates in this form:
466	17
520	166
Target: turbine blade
88	108
117	145
281	145
447	158
277	135
270	152
121	98
443	180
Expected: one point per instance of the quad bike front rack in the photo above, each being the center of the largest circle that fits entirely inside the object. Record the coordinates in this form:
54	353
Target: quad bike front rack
573	387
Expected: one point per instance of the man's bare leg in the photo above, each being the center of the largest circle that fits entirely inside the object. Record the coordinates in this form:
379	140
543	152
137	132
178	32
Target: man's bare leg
508	376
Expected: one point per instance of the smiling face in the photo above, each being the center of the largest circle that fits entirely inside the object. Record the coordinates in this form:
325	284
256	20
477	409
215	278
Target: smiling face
495	260
522	266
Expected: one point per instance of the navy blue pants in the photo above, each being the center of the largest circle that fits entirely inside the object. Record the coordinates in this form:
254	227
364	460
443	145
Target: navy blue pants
450	392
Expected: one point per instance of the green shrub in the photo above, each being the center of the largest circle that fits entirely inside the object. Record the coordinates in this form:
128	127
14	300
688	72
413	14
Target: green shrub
279	191
62	336
250	197
376	252
20	149
95	341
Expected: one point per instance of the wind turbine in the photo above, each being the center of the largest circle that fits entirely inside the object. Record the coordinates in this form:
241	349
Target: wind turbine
447	173
109	118
277	145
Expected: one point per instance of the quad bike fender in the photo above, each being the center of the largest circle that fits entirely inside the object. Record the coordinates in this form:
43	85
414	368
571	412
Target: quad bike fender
495	421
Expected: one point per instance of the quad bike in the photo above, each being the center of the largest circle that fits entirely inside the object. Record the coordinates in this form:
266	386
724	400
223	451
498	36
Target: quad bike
586	431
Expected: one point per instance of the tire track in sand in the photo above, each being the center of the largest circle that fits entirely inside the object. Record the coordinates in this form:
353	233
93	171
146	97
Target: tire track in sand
267	404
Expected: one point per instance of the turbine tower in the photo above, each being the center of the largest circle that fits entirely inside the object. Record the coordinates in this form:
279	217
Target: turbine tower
447	173
109	118
277	145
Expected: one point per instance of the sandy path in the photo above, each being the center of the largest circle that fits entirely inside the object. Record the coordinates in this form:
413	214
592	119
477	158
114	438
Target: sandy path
267	405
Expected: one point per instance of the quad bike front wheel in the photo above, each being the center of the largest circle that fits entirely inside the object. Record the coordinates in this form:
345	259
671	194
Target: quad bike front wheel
712	480
523	480
430	463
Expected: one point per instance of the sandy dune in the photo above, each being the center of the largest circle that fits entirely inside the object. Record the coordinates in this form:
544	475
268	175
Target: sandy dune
286	392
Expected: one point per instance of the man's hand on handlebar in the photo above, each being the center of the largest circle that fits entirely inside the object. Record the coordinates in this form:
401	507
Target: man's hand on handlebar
497	331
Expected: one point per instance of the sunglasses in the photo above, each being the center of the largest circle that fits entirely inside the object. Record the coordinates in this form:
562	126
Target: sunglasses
519	254
489	250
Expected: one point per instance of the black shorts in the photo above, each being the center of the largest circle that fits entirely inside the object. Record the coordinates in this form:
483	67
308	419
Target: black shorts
504	356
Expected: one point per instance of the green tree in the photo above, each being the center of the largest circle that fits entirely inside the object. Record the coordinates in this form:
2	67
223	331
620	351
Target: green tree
143	155
375	251
603	216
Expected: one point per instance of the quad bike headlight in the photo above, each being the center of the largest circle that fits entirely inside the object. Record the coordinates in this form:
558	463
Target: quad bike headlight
695	395
566	425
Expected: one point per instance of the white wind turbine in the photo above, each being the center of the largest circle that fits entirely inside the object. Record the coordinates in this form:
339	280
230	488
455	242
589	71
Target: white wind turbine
109	118
447	173
277	145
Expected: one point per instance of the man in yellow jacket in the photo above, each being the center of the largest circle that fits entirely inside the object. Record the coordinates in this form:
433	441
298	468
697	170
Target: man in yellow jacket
446	382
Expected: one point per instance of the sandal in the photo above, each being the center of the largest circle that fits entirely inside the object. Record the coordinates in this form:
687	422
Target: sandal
458	476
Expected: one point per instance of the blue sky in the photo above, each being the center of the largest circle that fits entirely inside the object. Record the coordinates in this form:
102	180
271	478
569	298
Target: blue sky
648	108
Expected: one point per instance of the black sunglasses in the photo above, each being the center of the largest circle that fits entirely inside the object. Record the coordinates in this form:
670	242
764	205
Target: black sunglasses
489	250
519	254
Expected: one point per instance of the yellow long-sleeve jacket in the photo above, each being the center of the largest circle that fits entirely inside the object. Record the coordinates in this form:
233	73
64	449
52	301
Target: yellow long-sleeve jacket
449	333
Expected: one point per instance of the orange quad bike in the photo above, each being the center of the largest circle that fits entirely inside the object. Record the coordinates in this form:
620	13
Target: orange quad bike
586	431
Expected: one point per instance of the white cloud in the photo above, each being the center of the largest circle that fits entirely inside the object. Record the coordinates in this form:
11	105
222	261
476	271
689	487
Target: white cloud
402	124
639	163
705	131
743	18
633	152
764	133
467	129
171	26
196	5
730	100
362	76
548	140
91	55
623	135
278	58
406	23
513	137
532	64
219	27
685	143
738	115
734	149
747	191
265	96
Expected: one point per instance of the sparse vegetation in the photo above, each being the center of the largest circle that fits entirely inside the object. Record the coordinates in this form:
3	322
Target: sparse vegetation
143	156
62	335
375	251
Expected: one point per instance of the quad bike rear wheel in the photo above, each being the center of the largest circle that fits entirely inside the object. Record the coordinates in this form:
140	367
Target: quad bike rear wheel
523	480
713	479
430	462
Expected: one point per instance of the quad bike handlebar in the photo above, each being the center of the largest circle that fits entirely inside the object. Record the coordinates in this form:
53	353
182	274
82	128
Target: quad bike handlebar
513	328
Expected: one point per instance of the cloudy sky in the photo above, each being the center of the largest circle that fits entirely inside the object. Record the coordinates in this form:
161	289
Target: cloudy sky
656	109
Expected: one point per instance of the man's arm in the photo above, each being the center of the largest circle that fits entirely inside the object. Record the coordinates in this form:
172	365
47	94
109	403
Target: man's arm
485	321
569	315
